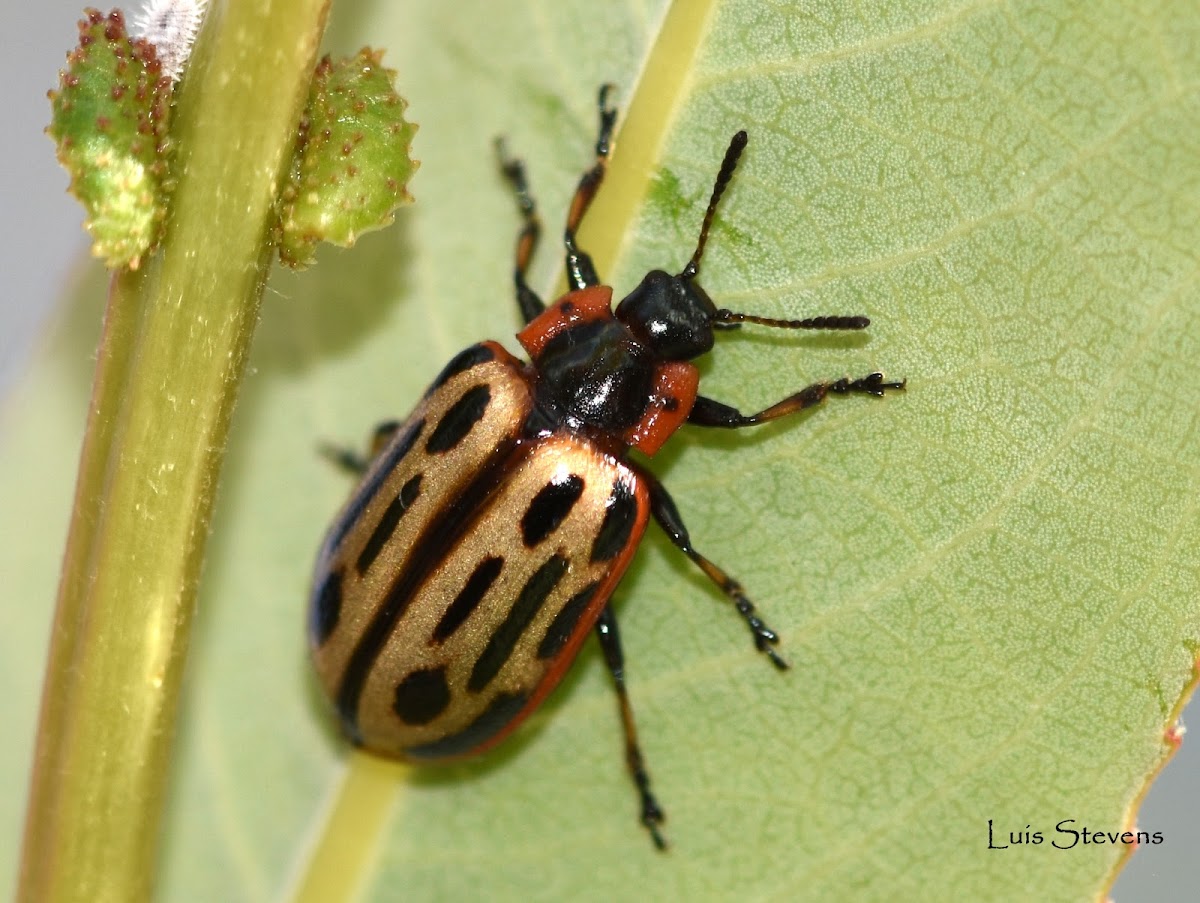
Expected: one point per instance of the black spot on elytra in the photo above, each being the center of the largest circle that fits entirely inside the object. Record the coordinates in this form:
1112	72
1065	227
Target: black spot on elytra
619	518
326	609
468	598
459	420
502	710
387	524
422	696
441	534
549	509
567	307
500	647
462	362
670	403
565	622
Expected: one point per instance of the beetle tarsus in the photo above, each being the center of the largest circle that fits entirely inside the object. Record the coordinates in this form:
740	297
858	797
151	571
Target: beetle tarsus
764	637
653	815
608	120
652	818
871	384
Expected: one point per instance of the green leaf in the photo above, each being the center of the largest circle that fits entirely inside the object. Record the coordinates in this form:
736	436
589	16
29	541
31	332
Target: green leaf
987	587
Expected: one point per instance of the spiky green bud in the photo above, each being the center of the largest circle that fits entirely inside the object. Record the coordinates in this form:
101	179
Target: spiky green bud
109	122
351	166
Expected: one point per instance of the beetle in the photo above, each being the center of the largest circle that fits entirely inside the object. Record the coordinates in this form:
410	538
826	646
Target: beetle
490	528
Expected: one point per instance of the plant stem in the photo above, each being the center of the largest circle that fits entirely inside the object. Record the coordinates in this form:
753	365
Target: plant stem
174	349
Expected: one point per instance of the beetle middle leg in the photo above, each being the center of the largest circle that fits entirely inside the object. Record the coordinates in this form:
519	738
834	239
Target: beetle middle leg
662	506
581	272
610	641
354	462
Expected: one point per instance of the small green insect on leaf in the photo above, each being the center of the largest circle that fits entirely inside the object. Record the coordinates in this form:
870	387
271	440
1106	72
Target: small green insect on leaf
352	164
109	122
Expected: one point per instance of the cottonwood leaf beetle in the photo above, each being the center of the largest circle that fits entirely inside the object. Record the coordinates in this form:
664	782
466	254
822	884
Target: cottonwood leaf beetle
490	527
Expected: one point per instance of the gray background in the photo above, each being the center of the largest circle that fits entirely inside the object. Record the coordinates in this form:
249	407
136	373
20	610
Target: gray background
41	242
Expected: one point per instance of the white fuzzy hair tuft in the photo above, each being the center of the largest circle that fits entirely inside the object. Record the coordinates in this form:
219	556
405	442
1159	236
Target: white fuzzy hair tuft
171	26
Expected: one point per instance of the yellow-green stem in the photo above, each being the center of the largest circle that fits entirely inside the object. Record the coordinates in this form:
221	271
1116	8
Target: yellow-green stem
175	344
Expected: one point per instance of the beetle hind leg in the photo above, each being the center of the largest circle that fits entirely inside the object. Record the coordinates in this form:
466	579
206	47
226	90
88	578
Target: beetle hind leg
610	642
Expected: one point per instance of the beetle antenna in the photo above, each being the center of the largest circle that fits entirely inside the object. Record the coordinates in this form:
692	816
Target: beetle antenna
728	165
729	320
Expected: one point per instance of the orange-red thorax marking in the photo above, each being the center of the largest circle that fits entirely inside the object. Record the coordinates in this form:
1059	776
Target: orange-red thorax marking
675	382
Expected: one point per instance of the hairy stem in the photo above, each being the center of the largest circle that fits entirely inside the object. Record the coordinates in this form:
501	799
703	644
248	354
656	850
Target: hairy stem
174	349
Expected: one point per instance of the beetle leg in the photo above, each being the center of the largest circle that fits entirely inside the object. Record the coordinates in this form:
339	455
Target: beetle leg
707	412
581	272
662	506
610	641
514	170
354	462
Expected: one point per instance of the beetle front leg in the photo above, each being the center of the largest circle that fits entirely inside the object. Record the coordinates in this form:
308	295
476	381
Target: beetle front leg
610	641
514	171
581	272
707	412
662	506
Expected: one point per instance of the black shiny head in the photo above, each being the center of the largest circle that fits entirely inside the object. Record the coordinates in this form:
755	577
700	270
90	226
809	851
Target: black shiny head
671	314
675	317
